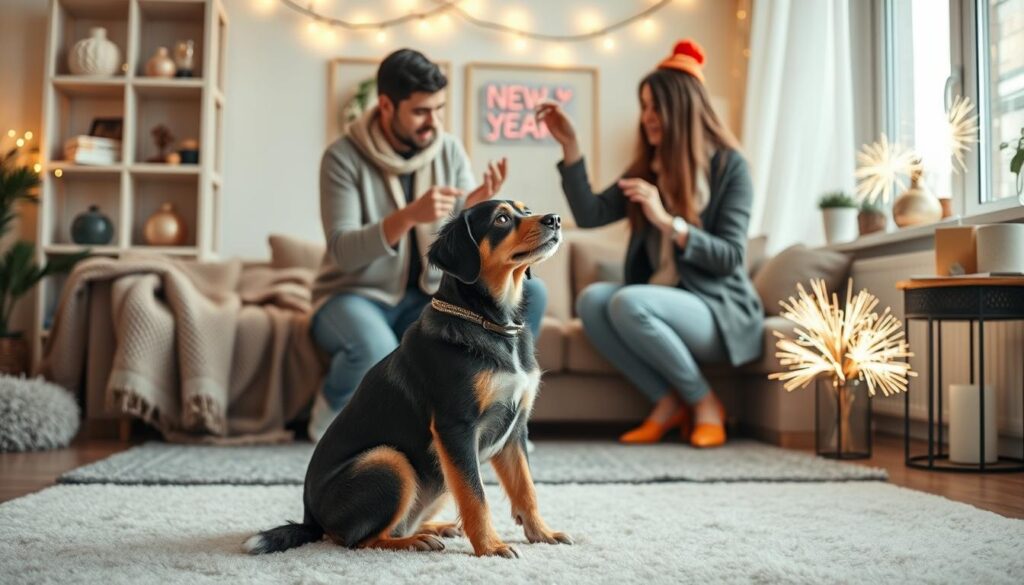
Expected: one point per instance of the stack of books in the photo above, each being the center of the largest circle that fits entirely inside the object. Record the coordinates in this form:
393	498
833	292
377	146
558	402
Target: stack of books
92	150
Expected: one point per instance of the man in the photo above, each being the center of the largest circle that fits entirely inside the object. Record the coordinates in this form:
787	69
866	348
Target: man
386	187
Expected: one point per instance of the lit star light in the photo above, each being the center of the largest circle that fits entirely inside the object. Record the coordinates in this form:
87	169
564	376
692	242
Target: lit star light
963	129
844	344
880	165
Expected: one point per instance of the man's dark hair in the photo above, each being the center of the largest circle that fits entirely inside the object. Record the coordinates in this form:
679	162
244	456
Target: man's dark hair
405	72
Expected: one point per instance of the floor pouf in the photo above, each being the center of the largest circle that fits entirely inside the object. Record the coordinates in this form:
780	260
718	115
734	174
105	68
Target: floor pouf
35	415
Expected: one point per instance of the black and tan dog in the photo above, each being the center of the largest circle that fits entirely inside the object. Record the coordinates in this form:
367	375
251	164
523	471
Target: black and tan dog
456	393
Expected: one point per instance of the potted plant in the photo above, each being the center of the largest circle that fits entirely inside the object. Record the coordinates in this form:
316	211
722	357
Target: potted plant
1017	161
840	212
18	269
872	217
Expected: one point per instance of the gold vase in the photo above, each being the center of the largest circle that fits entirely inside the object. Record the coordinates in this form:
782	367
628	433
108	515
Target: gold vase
165	228
916	205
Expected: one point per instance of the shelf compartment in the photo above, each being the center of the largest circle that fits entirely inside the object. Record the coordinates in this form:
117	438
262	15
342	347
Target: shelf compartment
150	192
165	22
180	114
74	193
74	20
76	109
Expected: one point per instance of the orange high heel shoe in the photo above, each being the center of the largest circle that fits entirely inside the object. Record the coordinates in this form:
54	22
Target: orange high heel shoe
707	435
652	432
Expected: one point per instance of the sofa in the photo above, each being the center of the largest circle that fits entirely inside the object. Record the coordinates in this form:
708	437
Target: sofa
580	386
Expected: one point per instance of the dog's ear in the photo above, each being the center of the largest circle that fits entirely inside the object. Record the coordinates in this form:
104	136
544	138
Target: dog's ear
456	251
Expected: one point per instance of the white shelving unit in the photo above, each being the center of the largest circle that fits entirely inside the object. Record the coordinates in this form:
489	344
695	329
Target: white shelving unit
129	191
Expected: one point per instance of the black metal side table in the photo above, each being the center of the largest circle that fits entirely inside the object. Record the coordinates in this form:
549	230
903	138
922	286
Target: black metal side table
937	300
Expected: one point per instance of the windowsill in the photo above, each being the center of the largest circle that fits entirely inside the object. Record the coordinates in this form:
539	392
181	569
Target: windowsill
903	235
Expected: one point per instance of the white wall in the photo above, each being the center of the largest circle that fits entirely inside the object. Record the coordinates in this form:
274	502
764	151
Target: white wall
276	84
276	87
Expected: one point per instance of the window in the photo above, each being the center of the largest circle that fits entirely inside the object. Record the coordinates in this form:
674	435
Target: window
937	50
1003	24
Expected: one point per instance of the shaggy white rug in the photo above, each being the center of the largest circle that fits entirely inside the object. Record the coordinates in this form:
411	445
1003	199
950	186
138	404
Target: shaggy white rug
867	532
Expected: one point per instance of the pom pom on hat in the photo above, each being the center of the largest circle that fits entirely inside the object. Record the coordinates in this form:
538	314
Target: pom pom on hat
687	56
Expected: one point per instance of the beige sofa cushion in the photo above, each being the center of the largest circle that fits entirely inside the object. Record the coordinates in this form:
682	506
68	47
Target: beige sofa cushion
777	279
290	252
550	346
581	357
769	364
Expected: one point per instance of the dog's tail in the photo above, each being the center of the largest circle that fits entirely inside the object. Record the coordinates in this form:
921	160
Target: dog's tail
282	538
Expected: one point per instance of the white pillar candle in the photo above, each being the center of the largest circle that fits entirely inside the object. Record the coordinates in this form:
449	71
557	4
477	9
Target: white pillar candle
964	426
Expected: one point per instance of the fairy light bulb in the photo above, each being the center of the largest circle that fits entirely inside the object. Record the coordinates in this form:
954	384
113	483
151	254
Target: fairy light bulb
11	133
382	36
519	44
58	173
37	167
608	43
29	135
20	142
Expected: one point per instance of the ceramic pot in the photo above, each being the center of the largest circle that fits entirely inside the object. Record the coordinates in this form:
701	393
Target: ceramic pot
840	224
870	222
92	227
165	228
916	205
184	55
160	64
95	55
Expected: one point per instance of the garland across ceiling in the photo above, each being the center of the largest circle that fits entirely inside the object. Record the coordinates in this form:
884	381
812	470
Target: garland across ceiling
454	7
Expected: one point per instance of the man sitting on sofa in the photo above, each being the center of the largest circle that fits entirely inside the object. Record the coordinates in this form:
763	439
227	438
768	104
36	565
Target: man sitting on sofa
385	189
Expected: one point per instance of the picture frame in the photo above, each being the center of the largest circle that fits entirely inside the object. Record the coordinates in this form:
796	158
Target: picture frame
499	102
345	79
107	128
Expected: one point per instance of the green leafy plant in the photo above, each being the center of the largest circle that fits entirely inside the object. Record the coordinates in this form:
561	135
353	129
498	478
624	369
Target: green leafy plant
1017	160
19	272
868	206
834	199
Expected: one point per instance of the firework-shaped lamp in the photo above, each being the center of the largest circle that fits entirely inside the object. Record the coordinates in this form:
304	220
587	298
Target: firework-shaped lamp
850	351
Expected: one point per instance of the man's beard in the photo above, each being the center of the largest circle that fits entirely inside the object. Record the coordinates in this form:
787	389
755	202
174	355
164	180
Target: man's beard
409	140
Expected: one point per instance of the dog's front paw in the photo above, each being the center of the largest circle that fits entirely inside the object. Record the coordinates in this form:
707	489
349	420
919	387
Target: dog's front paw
544	535
442	529
500	550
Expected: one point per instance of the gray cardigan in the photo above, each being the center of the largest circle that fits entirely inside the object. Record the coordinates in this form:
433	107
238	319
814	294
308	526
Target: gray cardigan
354	200
711	265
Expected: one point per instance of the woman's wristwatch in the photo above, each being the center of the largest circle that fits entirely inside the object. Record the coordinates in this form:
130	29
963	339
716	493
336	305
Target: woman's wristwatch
678	226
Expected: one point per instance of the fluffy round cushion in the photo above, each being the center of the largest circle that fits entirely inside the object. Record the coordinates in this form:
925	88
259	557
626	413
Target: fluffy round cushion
35	415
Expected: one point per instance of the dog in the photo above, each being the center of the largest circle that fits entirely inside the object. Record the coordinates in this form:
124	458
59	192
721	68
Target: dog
456	393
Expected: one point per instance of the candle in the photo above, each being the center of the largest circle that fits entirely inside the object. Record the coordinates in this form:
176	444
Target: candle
964	426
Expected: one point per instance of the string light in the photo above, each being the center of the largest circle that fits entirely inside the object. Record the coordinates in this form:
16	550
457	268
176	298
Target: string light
29	135
608	44
58	173
11	133
470	14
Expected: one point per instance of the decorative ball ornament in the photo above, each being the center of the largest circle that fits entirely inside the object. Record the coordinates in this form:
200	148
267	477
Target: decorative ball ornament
165	228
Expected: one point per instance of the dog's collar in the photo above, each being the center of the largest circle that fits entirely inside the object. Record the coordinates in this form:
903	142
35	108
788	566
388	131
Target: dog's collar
511	330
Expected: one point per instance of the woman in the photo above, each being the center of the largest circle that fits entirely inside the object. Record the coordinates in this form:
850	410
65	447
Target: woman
687	298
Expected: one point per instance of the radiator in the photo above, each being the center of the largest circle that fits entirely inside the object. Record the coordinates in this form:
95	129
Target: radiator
1004	347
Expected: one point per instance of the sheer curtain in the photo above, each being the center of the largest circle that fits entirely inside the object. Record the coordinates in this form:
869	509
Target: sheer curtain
798	130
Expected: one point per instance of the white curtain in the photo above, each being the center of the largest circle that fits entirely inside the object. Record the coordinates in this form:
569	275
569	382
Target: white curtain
798	116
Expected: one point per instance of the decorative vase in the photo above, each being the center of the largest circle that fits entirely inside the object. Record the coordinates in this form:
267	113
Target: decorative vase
869	222
160	64
840	224
13	355
189	151
95	55
184	54
92	227
842	426
165	228
916	205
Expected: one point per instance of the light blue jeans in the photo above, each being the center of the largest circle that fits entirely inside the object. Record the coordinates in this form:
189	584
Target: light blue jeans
654	335
358	332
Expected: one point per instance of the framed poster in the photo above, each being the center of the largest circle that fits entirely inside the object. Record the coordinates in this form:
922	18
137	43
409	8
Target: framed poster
352	88
500	103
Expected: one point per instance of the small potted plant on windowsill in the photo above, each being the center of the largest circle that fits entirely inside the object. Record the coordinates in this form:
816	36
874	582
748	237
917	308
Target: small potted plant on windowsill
19	272
840	212
872	218
1016	162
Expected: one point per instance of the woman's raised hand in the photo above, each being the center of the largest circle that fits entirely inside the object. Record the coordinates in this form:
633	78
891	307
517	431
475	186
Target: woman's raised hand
561	128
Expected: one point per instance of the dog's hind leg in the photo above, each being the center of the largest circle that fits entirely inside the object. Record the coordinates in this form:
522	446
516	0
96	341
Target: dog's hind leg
442	529
374	499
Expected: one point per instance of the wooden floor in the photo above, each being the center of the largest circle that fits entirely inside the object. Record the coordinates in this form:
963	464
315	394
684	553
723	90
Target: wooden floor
23	473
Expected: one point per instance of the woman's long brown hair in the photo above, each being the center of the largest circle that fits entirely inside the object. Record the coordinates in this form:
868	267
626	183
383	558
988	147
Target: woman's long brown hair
688	125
